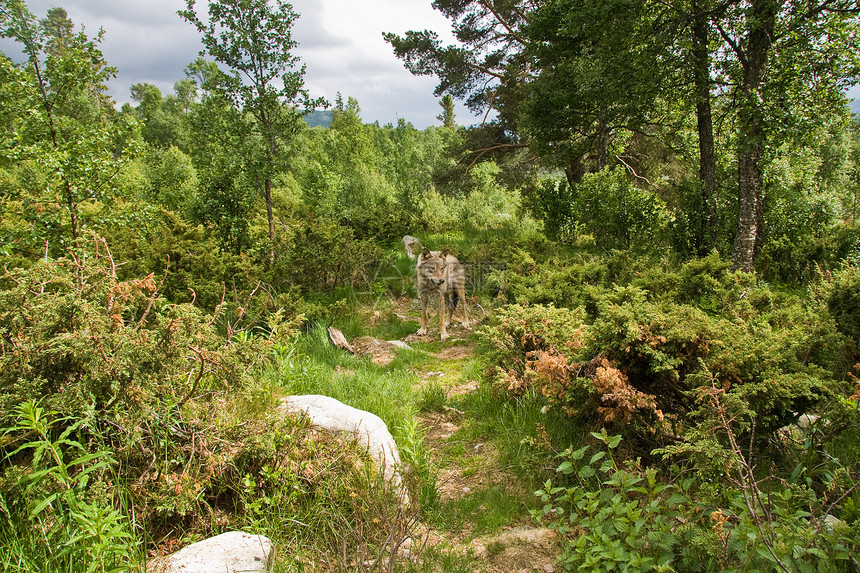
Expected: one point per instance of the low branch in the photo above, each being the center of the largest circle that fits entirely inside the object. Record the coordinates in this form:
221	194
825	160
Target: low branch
633	171
486	150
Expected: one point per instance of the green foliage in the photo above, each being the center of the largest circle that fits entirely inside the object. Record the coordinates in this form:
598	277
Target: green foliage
50	522
522	330
63	127
623	517
321	254
79	337
840	292
186	258
172	180
629	521
642	349
607	206
488	205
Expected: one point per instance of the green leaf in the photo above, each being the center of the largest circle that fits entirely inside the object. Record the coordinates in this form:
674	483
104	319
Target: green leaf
764	552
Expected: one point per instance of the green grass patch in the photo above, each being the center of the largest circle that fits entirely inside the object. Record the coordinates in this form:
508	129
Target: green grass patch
484	511
525	433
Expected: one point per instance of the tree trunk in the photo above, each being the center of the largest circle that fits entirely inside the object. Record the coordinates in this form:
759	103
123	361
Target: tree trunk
601	144
704	121
267	188
574	172
749	185
751	135
268	193
73	212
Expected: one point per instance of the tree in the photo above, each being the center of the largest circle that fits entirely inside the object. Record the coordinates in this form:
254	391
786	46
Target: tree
487	69
777	67
64	124
447	115
599	68
788	63
253	40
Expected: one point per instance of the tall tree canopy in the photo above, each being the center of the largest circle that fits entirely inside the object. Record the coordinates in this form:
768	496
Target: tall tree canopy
253	40
63	125
566	76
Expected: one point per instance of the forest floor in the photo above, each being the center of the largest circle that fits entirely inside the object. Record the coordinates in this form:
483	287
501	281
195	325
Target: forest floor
482	514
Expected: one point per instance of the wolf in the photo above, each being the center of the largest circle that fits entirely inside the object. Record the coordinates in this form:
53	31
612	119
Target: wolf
441	275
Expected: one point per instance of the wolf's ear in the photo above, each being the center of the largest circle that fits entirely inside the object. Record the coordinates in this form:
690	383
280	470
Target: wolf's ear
425	252
444	254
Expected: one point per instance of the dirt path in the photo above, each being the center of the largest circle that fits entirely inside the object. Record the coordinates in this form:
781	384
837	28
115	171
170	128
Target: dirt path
467	469
470	476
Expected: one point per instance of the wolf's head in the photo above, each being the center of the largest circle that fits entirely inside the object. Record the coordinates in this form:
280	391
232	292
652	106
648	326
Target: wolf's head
431	266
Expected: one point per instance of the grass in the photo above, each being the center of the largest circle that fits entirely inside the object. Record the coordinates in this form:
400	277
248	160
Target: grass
483	511
301	489
524	432
324	369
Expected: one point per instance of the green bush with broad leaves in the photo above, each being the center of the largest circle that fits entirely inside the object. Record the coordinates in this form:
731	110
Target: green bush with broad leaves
840	292
51	522
607	206
622	517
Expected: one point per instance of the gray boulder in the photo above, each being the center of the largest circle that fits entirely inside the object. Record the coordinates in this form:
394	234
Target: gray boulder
231	552
364	427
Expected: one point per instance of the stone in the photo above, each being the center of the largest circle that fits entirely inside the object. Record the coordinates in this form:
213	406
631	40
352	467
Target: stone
364	427
231	552
832	523
806	421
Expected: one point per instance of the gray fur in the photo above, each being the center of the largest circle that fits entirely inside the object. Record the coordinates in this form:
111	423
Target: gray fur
441	276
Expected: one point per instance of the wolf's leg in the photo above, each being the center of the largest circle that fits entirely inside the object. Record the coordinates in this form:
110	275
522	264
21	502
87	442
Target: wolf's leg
443	312
423	330
449	306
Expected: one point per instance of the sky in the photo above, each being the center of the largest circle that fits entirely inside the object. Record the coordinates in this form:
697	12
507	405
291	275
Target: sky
340	43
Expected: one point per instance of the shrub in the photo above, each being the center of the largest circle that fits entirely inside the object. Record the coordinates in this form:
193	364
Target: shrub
187	259
640	352
622	517
521	330
607	206
82	339
840	292
320	255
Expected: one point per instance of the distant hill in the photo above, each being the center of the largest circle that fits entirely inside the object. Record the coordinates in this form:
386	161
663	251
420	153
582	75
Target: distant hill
320	117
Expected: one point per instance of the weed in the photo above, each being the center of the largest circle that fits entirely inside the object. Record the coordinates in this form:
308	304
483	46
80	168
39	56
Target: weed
433	398
53	526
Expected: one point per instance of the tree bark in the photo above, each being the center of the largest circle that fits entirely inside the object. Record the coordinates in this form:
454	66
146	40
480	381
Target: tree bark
601	144
574	172
704	121
751	136
267	186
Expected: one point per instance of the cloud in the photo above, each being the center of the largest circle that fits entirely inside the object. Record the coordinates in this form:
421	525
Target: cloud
340	43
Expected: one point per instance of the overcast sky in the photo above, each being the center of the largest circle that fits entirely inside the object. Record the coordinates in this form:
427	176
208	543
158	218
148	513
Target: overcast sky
340	42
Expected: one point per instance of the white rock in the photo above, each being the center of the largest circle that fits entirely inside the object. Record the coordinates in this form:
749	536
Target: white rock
231	552
366	428
832	523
